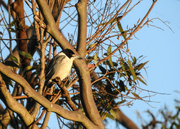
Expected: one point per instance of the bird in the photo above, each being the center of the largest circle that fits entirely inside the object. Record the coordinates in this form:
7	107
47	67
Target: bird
60	66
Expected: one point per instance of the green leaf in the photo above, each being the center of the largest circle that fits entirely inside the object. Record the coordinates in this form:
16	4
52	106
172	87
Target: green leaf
103	70
140	66
122	86
121	102
13	58
109	50
95	59
163	126
132	70
177	126
107	115
7	80
177	107
138	20
136	95
121	30
28	67
90	47
108	53
123	67
110	22
112	113
134	61
12	30
12	23
141	80
120	27
178	121
12	64
26	54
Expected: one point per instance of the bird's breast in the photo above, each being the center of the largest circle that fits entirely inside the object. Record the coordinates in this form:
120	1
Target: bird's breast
62	68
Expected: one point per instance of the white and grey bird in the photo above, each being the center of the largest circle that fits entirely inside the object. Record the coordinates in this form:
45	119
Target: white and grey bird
60	66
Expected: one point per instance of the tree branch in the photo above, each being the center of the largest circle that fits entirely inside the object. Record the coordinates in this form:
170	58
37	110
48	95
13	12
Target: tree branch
86	93
65	94
81	7
18	7
7	118
46	120
51	25
15	106
124	120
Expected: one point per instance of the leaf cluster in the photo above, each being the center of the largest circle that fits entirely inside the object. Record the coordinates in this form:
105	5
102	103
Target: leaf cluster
117	77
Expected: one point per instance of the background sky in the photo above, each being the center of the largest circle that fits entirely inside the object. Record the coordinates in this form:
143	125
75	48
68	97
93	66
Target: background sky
162	49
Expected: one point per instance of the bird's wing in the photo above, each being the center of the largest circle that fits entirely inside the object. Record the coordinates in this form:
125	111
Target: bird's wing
50	70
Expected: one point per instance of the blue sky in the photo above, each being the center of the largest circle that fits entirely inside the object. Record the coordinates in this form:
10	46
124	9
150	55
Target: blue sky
162	49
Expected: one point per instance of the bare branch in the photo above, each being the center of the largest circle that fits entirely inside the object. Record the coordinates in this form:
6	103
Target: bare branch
82	27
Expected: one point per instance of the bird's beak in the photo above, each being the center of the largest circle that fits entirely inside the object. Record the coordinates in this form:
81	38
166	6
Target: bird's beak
77	57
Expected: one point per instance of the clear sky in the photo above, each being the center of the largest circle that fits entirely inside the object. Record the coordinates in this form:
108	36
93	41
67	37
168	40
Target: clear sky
162	49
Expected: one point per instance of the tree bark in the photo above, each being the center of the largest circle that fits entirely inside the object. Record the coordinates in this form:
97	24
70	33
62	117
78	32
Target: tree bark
124	120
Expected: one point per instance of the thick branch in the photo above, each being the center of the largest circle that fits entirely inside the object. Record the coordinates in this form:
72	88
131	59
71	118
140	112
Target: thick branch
86	94
66	95
18	7
46	120
82	27
4	4
124	120
14	105
7	117
51	25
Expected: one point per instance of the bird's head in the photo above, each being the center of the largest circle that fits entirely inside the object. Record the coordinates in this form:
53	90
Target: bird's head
71	54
